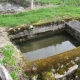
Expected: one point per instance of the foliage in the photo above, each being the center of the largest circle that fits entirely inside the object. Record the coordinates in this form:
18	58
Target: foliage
43	14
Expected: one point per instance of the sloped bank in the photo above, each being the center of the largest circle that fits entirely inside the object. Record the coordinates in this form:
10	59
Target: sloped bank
8	59
59	66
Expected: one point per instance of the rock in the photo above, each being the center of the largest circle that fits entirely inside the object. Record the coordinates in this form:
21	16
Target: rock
68	73
4	74
7	7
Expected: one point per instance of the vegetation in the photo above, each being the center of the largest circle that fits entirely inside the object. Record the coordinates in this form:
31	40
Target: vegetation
14	75
71	9
9	51
49	1
67	2
40	15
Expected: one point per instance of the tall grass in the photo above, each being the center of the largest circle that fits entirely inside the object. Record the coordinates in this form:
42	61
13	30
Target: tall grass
43	14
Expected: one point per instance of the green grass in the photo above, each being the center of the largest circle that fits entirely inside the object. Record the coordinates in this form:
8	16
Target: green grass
9	60
14	75
49	1
43	14
67	2
9	51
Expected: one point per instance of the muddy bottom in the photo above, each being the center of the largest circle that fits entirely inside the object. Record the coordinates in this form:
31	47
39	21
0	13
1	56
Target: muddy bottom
48	46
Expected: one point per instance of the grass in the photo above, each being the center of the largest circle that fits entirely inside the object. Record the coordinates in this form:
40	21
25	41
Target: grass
67	2
14	75
43	14
49	1
9	51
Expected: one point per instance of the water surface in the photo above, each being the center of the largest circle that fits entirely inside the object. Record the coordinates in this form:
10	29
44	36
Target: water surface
48	46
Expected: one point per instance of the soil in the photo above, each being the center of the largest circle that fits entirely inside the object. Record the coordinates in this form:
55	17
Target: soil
3	41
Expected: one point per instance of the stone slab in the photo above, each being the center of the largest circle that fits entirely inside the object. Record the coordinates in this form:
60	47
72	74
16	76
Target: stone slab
75	25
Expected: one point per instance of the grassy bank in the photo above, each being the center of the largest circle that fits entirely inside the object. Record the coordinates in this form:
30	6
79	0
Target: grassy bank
11	61
39	15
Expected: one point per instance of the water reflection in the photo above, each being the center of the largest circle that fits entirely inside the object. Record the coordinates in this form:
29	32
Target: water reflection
49	46
49	51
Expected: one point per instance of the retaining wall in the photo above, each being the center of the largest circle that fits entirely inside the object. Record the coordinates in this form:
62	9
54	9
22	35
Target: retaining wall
27	32
35	31
73	28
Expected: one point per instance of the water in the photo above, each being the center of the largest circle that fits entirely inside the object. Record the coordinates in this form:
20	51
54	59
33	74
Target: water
47	46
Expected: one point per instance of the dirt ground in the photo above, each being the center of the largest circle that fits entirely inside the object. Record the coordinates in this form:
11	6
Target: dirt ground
3	41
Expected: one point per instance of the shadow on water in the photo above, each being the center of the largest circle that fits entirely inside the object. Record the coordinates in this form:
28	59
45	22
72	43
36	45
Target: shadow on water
48	46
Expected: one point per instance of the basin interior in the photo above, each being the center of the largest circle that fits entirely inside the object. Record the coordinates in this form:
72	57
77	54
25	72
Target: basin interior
47	46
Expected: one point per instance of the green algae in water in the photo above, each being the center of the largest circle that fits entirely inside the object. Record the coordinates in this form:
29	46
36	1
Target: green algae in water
47	46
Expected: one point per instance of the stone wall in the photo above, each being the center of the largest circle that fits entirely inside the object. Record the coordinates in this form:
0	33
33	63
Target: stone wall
35	31
39	30
73	28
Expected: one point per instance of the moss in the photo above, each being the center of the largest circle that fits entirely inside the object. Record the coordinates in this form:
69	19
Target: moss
23	27
48	76
77	72
47	23
62	71
67	18
70	65
46	63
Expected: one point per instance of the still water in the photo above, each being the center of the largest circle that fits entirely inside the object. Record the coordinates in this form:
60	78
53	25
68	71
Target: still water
47	46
